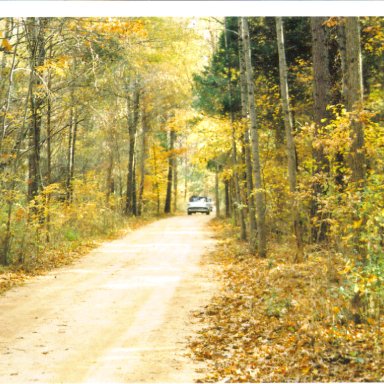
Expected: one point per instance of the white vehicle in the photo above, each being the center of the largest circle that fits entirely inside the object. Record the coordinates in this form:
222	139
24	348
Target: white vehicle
199	204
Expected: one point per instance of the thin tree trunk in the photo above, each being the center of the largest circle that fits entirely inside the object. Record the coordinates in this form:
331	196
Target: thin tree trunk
36	29
110	182
168	196
4	55
237	203
248	160
322	98
131	204
357	157
227	200
4	256
259	195
7	104
291	153
49	150
142	162
217	198
339	158
354	98
156	184
186	175
134	191
175	186
71	148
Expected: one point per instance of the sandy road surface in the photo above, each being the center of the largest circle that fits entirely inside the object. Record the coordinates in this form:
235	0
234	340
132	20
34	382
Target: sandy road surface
121	314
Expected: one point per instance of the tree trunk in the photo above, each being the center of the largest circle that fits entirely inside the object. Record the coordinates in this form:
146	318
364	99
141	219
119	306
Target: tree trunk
131	204
134	191
49	149
186	176
291	153
341	42
110	181
322	98
4	256
217	198
8	93
259	195
175	187
143	159
227	200
36	43
71	150
354	98
357	158
248	160
49	127
156	183
238	204
339	157
168	196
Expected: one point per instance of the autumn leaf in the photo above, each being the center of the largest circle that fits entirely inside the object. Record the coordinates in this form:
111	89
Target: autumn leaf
6	45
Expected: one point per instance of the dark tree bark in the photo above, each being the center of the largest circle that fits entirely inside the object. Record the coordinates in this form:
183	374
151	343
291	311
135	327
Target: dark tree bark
238	204
156	183
354	98
217	197
71	148
350	48
110	180
227	199
144	125
357	157
131	203
35	28
171	165
322	98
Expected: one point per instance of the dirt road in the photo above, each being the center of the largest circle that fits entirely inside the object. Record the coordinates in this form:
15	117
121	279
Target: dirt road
120	314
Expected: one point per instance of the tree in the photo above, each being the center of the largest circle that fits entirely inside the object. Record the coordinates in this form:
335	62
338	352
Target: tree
171	167
133	108
248	160
35	28
291	150
238	204
322	99
63	123
354	98
259	195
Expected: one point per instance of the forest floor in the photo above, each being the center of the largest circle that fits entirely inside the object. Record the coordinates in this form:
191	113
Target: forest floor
122	313
275	321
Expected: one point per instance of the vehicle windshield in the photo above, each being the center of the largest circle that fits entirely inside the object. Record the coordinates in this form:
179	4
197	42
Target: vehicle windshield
197	198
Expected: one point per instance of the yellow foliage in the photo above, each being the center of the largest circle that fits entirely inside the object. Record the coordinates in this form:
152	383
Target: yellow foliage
6	45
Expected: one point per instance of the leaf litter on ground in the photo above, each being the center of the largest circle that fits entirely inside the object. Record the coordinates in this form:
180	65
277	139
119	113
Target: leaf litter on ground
275	321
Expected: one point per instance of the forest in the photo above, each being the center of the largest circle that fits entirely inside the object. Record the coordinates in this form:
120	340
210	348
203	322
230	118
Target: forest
106	123
95	115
